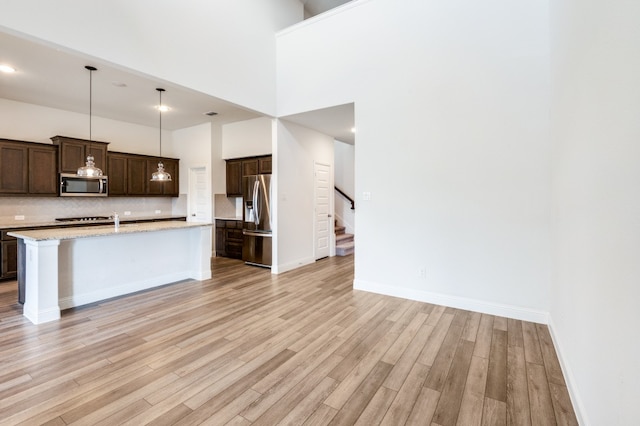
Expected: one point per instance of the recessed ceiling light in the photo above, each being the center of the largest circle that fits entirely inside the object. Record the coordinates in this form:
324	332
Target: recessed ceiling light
119	84
7	69
163	108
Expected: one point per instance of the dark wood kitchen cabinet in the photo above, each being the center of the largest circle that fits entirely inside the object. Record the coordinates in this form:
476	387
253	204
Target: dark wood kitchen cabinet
137	175
43	166
117	172
28	168
14	168
9	256
234	178
166	188
130	175
229	238
239	167
221	238
73	153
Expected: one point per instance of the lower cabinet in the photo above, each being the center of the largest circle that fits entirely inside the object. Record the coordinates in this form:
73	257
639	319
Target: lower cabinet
9	253
229	238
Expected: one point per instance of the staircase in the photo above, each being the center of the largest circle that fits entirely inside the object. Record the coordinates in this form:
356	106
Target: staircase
344	242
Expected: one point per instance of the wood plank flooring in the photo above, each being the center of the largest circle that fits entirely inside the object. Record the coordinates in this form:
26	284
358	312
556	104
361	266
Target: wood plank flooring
300	348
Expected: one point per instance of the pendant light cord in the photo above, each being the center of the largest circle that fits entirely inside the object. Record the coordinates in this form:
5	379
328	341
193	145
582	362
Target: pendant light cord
91	70
160	128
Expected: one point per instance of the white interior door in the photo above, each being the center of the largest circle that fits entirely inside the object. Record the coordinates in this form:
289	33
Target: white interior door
199	199
322	224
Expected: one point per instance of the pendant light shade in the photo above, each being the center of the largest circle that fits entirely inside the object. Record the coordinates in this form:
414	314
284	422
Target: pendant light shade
160	174
90	169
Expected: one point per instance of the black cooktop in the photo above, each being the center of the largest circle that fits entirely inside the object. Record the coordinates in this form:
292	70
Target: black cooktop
82	219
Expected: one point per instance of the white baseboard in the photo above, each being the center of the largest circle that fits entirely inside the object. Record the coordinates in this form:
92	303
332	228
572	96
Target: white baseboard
576	401
515	312
278	269
39	317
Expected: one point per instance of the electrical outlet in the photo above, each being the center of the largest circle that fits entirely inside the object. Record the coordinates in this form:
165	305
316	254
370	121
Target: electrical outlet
422	272
366	196
158	211
19	217
127	213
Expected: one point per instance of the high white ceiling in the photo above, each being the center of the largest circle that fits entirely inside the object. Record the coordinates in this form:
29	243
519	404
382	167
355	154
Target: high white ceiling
337	121
56	78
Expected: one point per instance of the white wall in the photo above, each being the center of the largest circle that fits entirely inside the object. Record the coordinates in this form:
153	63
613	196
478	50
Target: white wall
193	145
247	138
34	123
222	48
297	150
453	143
345	180
596	171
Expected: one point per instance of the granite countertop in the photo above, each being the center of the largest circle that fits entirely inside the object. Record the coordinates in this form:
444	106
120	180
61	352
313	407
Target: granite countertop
228	218
123	219
67	233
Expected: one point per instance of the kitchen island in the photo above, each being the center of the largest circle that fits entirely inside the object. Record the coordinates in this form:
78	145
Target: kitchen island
74	266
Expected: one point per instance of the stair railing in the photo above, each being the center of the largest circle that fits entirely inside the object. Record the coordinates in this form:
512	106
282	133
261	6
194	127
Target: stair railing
341	192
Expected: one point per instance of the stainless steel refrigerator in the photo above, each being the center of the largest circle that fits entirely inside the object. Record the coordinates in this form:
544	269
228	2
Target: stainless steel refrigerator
256	232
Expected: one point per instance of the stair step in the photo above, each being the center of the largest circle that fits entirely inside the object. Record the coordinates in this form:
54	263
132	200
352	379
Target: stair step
344	238
345	249
339	230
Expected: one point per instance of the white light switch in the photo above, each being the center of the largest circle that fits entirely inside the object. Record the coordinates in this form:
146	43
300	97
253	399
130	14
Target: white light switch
366	196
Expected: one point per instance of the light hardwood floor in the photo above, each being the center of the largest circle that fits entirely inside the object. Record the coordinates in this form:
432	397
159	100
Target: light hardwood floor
302	347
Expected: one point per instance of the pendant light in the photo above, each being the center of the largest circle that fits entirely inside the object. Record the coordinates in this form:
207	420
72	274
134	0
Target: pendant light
160	174
90	169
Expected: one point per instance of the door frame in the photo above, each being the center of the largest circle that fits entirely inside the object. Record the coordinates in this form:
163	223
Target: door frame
331	218
191	193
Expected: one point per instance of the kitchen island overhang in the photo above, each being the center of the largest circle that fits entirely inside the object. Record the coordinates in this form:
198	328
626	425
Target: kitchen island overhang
71	267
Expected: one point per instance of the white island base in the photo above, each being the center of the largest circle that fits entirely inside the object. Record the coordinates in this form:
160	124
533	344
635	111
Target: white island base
76	266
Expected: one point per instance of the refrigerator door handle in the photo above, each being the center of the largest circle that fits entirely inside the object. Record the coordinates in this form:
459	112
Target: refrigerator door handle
256	234
256	206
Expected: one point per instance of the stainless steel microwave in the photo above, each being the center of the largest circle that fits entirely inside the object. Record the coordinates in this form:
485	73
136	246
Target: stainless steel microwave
83	186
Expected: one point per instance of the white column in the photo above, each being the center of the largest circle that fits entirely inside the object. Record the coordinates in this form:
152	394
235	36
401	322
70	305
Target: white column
200	252
41	284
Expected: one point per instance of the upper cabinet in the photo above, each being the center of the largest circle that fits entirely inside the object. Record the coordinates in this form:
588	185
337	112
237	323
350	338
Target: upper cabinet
130	175
14	168
43	165
28	168
73	153
117	172
234	178
239	167
31	169
166	188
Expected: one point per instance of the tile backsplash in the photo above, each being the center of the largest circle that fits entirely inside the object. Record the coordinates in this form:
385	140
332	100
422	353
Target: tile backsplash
46	209
227	206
